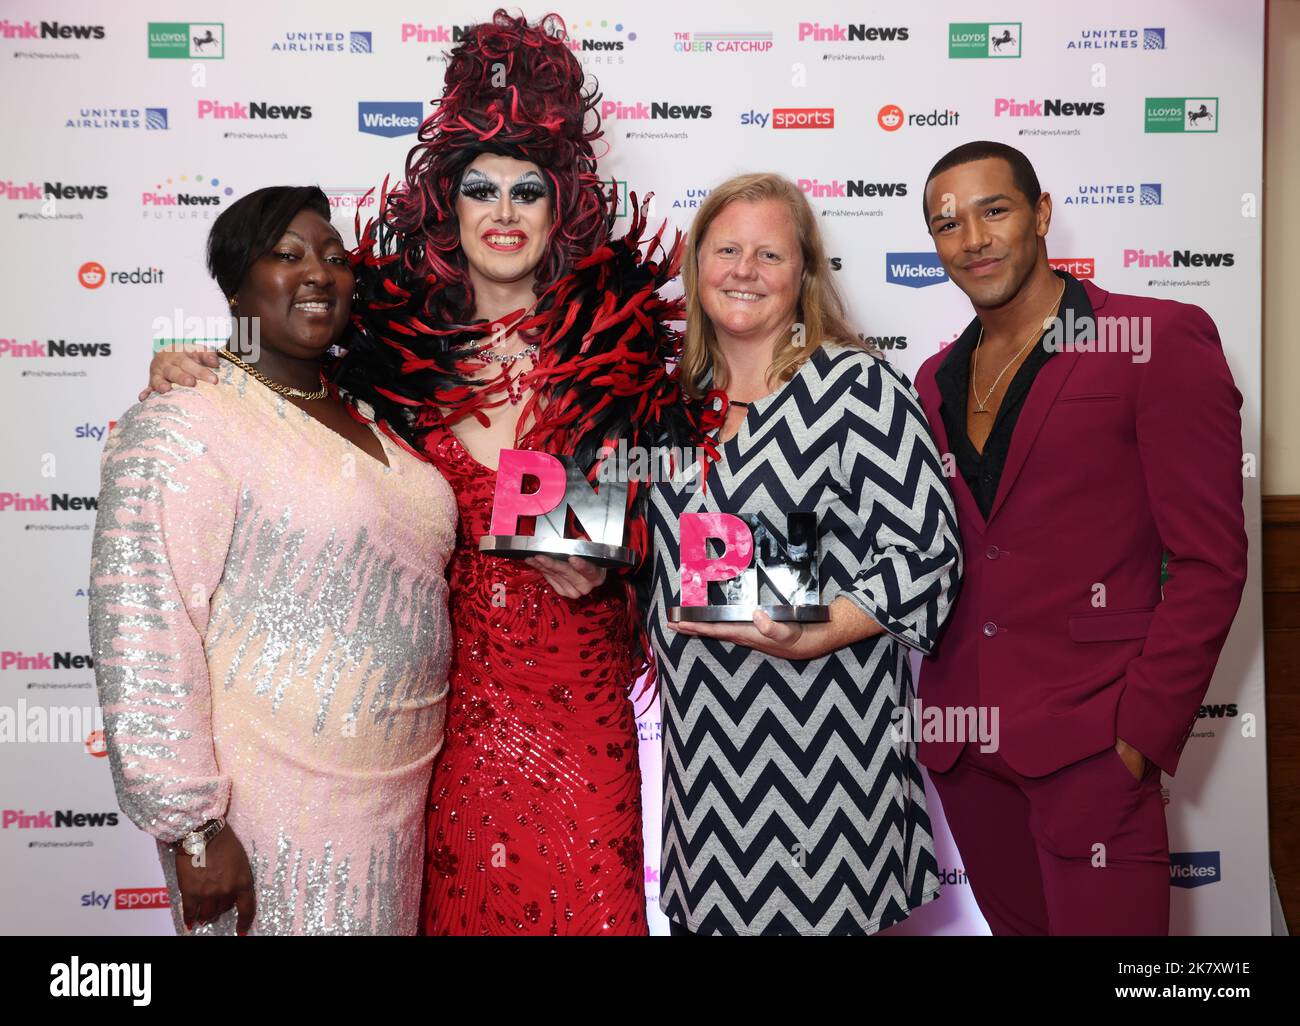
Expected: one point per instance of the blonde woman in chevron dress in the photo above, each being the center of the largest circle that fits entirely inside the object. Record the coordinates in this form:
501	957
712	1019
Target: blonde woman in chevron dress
790	805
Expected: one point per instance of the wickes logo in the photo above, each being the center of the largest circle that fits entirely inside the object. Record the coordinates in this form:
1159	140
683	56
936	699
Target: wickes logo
914	270
1194	868
389	119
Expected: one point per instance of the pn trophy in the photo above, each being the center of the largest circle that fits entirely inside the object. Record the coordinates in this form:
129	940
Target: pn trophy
562	488
782	580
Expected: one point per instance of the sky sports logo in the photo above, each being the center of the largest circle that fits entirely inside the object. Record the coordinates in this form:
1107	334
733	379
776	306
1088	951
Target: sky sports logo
1079	267
127	899
1194	868
791	117
983	39
389	119
914	270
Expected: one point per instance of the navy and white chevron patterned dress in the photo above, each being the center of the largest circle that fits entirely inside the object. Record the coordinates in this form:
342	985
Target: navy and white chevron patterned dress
788	807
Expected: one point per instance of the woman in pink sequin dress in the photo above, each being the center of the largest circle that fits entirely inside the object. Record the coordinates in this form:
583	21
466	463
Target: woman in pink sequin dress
269	613
495	310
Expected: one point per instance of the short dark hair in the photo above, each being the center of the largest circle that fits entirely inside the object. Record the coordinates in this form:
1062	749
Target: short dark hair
251	226
1022	172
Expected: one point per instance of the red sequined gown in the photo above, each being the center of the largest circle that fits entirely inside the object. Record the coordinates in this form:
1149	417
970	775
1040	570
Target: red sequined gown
535	806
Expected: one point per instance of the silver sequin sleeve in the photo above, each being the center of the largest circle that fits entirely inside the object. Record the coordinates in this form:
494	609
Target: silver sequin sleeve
168	500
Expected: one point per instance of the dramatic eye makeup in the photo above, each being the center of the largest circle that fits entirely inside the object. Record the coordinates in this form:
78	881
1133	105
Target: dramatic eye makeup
527	188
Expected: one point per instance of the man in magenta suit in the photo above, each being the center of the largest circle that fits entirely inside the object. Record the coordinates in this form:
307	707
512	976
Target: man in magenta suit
1079	454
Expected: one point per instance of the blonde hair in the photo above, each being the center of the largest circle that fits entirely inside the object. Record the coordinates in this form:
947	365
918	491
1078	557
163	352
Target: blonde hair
820	309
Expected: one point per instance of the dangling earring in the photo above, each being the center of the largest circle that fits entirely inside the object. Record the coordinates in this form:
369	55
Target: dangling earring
232	301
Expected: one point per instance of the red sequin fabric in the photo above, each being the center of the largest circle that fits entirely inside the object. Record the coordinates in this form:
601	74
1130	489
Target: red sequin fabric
535	807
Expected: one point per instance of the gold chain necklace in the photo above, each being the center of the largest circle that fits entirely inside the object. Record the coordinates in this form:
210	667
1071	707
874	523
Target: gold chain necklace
275	386
981	405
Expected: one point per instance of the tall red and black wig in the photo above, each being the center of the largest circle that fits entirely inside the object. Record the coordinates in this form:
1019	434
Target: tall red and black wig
514	89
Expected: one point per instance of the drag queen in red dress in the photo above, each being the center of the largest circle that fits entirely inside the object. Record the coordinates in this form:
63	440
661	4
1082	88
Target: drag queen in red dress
496	312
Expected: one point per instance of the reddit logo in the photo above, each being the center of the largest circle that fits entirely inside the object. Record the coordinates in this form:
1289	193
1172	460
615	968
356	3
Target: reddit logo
92	274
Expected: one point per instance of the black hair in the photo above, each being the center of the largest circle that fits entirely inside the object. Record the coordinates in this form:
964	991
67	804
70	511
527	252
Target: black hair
250	227
1022	172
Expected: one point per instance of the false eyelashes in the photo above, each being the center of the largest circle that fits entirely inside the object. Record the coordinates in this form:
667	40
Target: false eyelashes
480	188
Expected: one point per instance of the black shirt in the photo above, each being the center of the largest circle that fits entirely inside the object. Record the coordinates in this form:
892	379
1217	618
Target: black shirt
983	471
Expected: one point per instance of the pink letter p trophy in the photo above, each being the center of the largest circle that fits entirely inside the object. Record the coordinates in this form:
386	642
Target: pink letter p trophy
785	573
561	487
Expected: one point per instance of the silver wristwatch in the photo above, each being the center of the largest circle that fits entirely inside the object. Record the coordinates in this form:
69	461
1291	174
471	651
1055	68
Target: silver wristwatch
196	841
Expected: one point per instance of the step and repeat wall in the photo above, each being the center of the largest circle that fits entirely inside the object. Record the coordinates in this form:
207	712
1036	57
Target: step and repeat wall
125	136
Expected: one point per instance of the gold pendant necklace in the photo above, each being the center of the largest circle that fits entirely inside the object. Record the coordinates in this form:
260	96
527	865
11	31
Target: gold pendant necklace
275	386
981	405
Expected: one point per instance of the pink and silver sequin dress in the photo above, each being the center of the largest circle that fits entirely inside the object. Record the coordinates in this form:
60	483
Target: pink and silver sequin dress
269	625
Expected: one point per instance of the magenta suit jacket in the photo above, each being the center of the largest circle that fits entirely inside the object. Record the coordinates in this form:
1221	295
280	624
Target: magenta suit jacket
1111	463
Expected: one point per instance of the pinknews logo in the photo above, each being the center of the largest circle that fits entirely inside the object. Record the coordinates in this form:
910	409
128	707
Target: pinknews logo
853	188
611	110
1177	258
10	660
253	110
53	503
52	190
49	30
51	348
1010	107
812	31
417	33
20	819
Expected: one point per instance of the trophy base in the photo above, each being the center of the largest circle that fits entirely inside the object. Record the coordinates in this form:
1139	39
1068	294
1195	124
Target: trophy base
518	546
744	614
